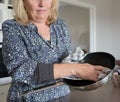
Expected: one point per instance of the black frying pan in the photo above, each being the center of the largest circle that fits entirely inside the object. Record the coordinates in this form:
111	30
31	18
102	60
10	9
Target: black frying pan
99	58
95	58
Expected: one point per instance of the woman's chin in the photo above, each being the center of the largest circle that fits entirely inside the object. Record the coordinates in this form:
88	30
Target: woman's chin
40	19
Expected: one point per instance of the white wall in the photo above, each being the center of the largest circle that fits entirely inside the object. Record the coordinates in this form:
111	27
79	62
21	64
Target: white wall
116	28
107	25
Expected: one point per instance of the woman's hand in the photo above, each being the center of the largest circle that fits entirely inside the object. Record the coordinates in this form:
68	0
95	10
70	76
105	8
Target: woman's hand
85	71
88	71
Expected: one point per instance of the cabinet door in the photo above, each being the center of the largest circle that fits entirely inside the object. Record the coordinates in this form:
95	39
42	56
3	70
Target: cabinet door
3	13
3	92
1	1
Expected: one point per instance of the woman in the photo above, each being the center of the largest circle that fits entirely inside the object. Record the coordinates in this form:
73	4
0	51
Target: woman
34	44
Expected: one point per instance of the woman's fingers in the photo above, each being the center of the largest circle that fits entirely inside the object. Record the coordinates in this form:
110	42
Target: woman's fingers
90	72
100	68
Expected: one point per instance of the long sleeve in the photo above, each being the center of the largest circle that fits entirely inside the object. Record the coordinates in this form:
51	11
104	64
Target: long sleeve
20	65
29	60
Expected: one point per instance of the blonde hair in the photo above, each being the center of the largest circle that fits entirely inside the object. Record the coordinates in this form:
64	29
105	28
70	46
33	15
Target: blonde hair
21	16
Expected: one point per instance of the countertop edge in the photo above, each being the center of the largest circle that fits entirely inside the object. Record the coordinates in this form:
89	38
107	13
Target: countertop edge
5	80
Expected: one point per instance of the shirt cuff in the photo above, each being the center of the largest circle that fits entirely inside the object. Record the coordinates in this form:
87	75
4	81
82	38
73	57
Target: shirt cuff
43	72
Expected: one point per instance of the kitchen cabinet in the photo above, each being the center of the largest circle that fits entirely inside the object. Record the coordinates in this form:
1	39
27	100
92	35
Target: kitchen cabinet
1	1
5	10
5	13
6	1
3	92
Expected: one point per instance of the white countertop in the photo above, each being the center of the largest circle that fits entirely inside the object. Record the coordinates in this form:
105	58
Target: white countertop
5	80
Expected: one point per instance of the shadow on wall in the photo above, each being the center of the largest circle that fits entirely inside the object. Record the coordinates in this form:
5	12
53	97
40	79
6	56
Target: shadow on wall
81	40
77	19
84	41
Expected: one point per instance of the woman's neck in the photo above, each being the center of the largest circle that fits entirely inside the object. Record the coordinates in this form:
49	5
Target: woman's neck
43	29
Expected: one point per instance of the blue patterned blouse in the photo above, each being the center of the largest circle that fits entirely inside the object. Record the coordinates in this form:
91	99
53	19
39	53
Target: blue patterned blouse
29	59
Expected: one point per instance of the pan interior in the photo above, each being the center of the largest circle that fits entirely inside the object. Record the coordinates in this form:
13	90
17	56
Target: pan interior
95	58
99	58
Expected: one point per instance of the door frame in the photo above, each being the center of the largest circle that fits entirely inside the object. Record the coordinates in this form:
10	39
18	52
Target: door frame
92	19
